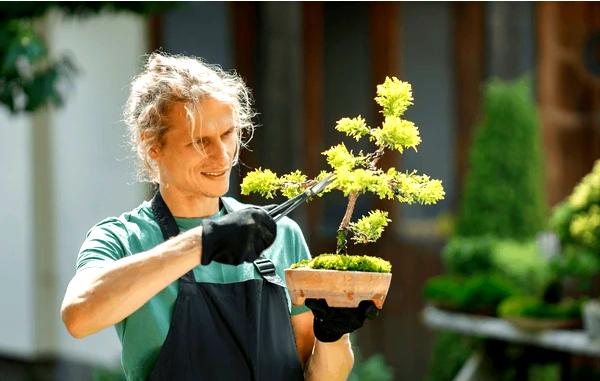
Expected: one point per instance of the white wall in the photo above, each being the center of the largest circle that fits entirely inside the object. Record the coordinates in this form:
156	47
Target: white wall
91	177
16	261
92	166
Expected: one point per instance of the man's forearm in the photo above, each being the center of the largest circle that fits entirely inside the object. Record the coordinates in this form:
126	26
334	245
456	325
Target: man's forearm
102	297
330	361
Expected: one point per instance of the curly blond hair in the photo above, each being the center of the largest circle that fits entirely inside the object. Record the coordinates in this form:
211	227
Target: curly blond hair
168	79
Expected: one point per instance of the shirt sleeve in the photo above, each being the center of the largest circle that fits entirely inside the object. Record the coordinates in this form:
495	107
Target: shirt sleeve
105	242
300	252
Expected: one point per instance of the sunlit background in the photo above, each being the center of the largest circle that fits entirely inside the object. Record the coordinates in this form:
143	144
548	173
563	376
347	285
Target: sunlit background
529	71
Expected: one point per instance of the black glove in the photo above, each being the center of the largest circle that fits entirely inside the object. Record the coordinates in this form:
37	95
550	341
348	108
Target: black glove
331	323
237	237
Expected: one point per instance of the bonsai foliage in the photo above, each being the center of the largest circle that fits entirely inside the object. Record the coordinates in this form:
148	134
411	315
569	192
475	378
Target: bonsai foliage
503	194
357	173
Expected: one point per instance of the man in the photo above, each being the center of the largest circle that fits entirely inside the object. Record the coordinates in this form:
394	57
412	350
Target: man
192	280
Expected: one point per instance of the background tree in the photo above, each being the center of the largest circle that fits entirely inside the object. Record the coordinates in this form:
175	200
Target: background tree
29	78
503	194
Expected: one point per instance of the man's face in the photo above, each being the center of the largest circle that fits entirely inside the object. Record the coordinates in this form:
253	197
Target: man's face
201	171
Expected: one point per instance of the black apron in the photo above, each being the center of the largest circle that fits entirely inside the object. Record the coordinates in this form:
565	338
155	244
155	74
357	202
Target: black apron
235	331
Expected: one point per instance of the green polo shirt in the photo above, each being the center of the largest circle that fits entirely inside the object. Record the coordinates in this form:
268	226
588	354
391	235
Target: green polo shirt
143	333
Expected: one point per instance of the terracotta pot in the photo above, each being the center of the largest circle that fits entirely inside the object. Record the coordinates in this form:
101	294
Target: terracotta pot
339	288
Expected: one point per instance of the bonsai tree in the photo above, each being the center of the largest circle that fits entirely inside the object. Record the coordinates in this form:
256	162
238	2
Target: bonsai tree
356	174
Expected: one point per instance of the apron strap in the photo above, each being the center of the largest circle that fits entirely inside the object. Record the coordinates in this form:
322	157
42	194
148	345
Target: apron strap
168	226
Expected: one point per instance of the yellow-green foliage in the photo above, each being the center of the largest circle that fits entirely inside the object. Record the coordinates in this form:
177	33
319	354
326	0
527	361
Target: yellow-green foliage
266	183
585	227
293	184
396	134
346	263
262	181
413	188
587	192
394	96
369	228
339	158
361	180
356	174
577	219
353	127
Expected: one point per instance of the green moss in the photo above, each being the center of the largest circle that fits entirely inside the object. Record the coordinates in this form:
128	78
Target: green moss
346	263
528	306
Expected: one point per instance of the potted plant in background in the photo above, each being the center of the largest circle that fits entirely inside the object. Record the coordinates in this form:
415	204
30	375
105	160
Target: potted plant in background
576	221
342	279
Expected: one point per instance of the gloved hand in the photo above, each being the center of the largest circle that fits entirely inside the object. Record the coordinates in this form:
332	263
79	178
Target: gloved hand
331	323
237	237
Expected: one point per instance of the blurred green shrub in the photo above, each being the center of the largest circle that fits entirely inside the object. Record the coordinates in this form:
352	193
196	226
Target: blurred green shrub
480	293
518	261
503	193
578	263
502	209
372	368
523	264
527	306
468	256
454	350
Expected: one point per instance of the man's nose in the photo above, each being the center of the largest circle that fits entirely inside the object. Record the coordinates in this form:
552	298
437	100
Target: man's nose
221	153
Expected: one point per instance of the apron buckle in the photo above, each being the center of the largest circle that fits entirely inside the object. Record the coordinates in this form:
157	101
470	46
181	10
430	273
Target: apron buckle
266	268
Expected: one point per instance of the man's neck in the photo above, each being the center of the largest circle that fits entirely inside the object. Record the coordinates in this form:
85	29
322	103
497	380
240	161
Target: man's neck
187	205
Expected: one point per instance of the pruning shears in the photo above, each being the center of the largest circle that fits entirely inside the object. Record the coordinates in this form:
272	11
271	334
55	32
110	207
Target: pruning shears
285	208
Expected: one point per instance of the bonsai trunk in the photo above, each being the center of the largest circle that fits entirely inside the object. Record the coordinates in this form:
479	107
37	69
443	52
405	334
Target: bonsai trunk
342	234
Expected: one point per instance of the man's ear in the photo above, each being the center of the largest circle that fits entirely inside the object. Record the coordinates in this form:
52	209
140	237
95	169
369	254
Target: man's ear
154	151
